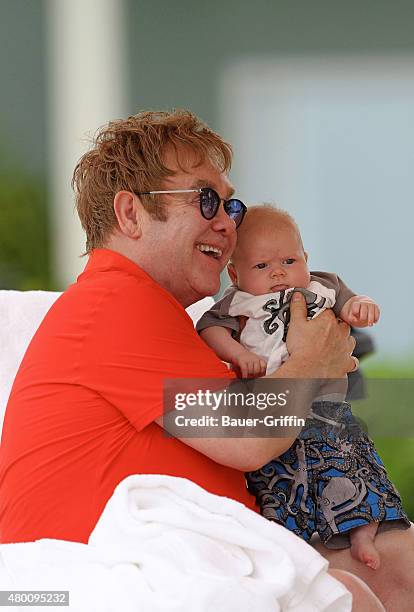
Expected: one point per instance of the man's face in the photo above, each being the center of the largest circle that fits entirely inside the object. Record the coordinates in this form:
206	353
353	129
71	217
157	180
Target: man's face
270	260
179	264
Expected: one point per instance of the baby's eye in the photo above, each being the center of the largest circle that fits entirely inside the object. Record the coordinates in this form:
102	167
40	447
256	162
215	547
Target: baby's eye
289	261
260	266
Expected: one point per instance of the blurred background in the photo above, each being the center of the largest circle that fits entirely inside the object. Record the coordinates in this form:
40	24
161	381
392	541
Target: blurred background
317	98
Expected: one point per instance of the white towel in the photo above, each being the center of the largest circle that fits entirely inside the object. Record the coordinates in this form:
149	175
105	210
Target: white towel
164	543
20	315
201	536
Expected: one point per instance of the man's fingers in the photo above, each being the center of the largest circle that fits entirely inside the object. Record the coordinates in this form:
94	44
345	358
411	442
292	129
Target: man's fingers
346	329
298	309
354	364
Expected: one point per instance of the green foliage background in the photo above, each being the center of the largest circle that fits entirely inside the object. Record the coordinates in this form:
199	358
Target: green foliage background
24	231
397	453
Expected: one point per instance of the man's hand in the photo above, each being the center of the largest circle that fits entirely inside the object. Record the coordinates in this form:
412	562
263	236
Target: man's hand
249	364
322	345
360	311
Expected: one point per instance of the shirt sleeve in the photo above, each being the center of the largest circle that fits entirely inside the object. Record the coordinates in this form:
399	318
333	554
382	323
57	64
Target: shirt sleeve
142	340
342	292
218	315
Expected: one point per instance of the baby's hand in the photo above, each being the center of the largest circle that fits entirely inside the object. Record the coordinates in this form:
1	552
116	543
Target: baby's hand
360	311
249	364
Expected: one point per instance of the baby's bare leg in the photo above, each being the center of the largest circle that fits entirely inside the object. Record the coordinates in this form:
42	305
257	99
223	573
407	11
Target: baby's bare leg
362	545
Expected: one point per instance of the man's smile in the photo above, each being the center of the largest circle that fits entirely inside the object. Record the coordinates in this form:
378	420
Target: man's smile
209	249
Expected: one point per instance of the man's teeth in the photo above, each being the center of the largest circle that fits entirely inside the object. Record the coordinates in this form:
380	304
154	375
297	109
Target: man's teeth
206	248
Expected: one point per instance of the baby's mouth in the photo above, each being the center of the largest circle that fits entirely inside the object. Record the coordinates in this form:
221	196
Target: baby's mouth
279	288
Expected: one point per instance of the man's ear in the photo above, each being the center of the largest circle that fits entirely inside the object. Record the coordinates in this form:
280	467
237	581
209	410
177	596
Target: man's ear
128	211
232	273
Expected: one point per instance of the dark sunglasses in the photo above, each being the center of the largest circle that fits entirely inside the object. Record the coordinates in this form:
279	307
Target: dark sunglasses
210	203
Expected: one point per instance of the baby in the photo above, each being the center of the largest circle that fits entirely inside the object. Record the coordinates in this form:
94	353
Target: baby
331	480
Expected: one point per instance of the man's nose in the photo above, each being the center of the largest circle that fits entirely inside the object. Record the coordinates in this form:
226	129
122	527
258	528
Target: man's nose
222	222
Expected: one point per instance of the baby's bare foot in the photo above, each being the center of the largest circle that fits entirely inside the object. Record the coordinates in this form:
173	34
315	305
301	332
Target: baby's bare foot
363	547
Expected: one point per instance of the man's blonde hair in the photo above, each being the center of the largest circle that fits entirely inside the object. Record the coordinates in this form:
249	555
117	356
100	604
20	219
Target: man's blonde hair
128	154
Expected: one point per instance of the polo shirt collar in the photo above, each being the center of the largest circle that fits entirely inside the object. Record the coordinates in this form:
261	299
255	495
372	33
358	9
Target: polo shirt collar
104	260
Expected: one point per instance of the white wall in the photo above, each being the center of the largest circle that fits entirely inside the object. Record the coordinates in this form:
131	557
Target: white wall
86	59
331	140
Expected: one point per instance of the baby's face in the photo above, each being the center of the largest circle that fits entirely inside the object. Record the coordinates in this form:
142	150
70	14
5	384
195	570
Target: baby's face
270	260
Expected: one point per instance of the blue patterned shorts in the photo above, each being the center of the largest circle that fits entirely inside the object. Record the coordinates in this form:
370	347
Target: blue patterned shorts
329	481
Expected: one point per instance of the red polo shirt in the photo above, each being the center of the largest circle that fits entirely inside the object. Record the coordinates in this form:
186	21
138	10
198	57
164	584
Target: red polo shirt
81	411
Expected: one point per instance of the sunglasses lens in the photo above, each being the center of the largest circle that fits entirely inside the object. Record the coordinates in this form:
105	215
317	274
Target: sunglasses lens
210	201
235	210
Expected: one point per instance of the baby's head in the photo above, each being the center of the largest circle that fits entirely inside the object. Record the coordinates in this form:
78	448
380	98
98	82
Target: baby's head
269	255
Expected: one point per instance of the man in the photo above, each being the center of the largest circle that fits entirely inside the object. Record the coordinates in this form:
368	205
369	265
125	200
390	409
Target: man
87	402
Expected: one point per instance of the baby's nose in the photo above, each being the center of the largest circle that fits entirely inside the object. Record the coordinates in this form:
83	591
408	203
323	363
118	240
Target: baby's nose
277	271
